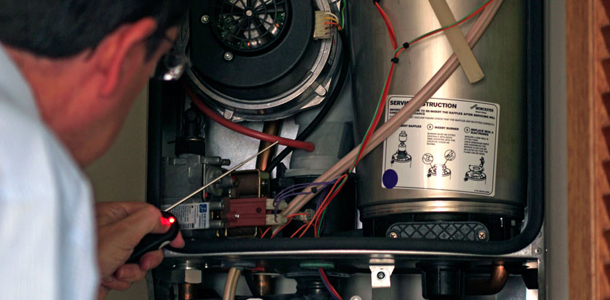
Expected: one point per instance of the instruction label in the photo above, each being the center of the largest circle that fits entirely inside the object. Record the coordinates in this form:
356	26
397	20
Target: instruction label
447	145
192	215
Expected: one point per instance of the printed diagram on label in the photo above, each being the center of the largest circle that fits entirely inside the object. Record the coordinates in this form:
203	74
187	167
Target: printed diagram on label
401	156
439	170
475	172
453	137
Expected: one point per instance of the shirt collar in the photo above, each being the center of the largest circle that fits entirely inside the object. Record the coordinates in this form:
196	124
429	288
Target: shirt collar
14	86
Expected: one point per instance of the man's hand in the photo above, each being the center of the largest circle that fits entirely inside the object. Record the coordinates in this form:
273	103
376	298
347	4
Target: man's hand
121	226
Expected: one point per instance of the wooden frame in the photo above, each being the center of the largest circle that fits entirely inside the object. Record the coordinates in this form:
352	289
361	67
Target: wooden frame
588	96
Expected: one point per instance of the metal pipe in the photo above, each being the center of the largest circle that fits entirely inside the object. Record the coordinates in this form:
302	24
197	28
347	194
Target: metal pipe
263	284
271	128
488	286
186	291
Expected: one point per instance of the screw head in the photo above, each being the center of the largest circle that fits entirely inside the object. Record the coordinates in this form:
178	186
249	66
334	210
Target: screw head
236	216
482	235
205	19
355	298
393	235
228	56
538	250
380	275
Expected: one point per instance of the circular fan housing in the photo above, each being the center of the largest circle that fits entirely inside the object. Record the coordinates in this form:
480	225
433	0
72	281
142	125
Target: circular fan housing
257	60
249	25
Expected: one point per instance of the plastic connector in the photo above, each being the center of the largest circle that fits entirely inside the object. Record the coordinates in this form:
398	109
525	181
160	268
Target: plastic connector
322	30
245	212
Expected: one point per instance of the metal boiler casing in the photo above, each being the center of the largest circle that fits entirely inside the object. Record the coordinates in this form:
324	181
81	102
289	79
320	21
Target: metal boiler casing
501	52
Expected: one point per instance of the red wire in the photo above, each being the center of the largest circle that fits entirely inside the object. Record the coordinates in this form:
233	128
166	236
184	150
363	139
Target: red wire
296	232
289	220
284	226
320	210
307	146
379	112
265	233
388	24
330	286
327	201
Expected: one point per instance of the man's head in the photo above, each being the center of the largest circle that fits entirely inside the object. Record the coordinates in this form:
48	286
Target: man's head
86	61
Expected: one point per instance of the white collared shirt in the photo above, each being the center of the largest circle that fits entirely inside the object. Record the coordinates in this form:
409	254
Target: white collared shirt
47	241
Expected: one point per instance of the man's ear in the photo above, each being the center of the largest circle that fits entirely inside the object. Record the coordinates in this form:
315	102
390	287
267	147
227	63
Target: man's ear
113	51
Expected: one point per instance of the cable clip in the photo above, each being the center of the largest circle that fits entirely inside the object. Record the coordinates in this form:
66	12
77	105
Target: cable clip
395	60
406	45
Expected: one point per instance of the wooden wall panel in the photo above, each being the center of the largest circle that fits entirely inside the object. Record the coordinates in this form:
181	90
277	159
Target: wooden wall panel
580	80
601	135
588	74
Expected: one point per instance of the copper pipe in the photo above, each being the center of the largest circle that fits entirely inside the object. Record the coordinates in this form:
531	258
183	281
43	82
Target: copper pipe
488	286
186	291
263	284
272	128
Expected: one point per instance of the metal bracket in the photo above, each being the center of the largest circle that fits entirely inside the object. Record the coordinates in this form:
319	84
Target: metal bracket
381	275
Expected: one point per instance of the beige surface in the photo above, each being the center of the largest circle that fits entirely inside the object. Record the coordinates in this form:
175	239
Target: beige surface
121	175
458	41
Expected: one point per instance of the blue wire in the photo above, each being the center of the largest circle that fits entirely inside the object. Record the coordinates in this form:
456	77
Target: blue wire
289	192
328	285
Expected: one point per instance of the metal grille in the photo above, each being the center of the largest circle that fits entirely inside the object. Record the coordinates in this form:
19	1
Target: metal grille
459	231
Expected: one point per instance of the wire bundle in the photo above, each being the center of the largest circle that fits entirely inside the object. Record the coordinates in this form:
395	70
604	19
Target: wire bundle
329	286
317	218
290	217
332	21
290	192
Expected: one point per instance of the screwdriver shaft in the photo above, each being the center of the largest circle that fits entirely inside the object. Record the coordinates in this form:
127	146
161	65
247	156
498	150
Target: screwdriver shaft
220	177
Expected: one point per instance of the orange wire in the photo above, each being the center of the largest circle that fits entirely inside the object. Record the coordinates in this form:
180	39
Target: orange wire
334	23
290	220
388	24
273	235
265	233
300	228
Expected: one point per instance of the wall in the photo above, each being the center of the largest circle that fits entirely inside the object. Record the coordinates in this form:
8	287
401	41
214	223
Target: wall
120	175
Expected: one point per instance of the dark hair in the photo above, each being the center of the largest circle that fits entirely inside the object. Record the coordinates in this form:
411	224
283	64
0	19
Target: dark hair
63	28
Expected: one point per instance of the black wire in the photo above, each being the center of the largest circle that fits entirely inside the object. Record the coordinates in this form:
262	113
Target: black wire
328	105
